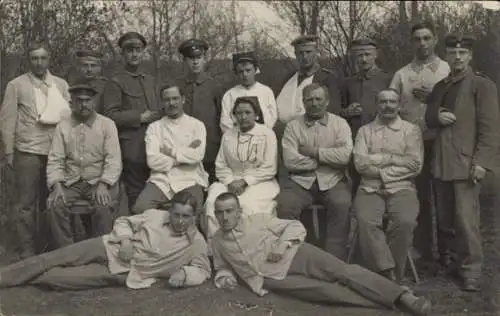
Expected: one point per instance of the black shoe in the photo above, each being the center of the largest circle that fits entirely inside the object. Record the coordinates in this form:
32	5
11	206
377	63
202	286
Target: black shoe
471	285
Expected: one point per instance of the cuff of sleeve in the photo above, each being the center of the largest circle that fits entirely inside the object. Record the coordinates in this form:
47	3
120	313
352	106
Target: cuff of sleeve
250	180
383	176
109	182
227	181
52	183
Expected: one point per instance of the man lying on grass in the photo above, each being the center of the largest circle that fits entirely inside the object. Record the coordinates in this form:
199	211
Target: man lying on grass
141	249
270	254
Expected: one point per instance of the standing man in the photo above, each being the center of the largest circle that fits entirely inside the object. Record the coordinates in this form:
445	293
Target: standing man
84	163
359	91
414	82
388	154
175	146
317	147
130	101
89	65
203	98
289	100
245	66
464	109
33	104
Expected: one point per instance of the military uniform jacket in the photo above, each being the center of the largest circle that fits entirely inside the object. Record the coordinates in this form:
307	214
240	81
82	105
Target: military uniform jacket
363	89
326	78
473	138
125	97
203	101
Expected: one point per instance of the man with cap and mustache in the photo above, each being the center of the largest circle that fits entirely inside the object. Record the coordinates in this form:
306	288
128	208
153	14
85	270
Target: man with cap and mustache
463	108
358	92
89	67
84	163
203	98
246	67
130	101
388	154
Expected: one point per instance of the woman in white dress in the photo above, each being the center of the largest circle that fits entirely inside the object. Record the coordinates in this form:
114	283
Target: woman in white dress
246	164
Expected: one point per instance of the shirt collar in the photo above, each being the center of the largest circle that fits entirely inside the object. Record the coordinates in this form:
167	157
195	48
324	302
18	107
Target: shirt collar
323	121
253	131
394	125
89	121
433	65
458	77
47	81
197	79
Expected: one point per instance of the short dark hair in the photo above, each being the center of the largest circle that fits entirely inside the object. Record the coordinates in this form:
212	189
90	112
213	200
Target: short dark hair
227	196
388	90
423	25
36	46
254	103
314	86
185	198
170	84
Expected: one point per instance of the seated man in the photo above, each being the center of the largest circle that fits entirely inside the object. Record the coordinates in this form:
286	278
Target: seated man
316	151
175	146
84	163
141	249
388	154
271	255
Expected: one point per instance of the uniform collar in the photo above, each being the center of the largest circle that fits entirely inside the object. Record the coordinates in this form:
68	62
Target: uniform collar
368	74
203	76
433	64
89	121
394	125
323	121
134	73
457	77
311	71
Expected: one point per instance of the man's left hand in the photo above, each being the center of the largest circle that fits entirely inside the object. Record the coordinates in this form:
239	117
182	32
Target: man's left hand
421	94
477	173
177	279
237	187
277	252
309	151
101	195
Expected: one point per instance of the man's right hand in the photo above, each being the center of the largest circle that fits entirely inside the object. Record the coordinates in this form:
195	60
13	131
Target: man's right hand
227	282
446	118
56	196
149	116
10	160
126	251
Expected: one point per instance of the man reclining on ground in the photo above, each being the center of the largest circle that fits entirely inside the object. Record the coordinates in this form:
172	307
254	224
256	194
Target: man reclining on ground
141	249
271	255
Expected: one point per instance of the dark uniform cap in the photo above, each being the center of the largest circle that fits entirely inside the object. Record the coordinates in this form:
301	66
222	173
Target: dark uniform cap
305	39
193	47
83	88
459	41
83	53
133	39
245	56
364	41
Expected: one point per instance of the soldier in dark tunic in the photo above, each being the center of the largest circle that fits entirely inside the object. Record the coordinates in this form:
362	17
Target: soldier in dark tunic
464	109
89	69
203	98
130	101
359	91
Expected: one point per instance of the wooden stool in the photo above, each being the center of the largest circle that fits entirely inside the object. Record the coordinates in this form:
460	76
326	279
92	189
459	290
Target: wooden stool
354	241
314	220
84	210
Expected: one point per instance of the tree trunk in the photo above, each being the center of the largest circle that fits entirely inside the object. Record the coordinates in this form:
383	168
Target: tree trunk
313	28
415	14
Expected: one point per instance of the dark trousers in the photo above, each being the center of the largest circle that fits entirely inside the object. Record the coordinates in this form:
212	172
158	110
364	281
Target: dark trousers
152	197
80	266
337	201
423	237
210	169
31	190
134	176
318	276
458	224
66	226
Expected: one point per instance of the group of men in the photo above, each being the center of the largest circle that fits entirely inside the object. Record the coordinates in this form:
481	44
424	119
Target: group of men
370	146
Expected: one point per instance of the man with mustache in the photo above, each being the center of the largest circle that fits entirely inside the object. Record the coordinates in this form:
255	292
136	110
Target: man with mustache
84	163
141	249
463	108
270	255
316	151
414	82
203	96
388	154
175	146
130	101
